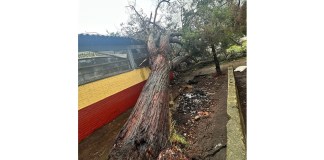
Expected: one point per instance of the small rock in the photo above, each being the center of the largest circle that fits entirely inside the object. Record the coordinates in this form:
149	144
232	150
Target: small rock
197	118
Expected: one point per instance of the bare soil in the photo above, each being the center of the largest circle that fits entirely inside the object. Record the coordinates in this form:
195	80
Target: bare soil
199	111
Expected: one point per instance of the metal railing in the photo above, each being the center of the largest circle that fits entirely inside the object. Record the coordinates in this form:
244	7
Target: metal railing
97	68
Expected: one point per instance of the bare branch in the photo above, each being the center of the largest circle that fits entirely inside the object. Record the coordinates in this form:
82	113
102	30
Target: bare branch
155	25
139	15
142	62
150	17
157	7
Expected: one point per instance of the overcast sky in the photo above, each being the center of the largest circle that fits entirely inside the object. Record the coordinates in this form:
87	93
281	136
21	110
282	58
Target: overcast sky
101	15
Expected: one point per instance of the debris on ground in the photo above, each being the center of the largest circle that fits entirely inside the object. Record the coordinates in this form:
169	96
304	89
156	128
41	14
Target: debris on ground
172	153
192	82
190	102
240	68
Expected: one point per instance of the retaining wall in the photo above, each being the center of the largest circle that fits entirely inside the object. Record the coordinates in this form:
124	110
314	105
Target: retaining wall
236	140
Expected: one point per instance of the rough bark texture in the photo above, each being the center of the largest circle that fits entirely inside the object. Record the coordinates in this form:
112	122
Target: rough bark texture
146	132
217	66
176	61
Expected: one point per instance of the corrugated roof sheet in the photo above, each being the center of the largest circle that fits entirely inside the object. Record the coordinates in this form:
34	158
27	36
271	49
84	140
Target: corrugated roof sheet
87	42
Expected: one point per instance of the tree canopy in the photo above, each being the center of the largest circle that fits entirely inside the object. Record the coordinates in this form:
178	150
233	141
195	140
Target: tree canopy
202	23
210	22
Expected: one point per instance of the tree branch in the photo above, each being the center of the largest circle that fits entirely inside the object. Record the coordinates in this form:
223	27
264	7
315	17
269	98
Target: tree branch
150	17
175	40
177	60
151	46
194	59
165	46
154	24
223	4
157	38
175	34
234	41
157	7
139	15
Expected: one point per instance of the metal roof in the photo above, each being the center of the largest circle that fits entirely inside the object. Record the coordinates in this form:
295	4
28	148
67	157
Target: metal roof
87	42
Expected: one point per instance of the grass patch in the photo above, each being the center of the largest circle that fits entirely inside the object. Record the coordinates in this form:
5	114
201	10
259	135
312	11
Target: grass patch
175	137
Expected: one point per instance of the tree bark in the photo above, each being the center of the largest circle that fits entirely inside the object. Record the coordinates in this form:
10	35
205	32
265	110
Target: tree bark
146	131
217	66
176	61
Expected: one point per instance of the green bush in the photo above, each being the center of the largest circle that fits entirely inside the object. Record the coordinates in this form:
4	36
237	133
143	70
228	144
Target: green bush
237	48
234	49
244	46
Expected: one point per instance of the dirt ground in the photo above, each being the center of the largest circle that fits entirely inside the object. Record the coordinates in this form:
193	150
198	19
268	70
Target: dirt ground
204	125
199	115
199	112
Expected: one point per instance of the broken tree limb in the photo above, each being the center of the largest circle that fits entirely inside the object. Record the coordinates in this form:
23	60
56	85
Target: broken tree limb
176	61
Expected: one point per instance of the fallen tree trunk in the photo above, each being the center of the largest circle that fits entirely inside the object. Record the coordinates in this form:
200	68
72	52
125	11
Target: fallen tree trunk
146	131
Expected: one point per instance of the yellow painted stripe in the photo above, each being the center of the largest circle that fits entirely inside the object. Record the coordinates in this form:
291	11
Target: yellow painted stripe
98	90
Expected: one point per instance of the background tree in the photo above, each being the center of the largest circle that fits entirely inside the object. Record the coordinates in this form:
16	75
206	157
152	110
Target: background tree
213	24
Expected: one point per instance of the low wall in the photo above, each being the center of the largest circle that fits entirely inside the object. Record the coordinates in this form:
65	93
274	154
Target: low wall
236	140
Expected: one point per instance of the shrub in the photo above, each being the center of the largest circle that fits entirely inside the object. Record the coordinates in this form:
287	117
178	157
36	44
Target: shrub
237	48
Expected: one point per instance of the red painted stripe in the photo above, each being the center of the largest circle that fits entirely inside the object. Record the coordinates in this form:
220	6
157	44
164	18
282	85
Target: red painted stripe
97	114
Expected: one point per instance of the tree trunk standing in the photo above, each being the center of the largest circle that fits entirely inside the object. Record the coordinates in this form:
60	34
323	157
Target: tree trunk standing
146	131
217	66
